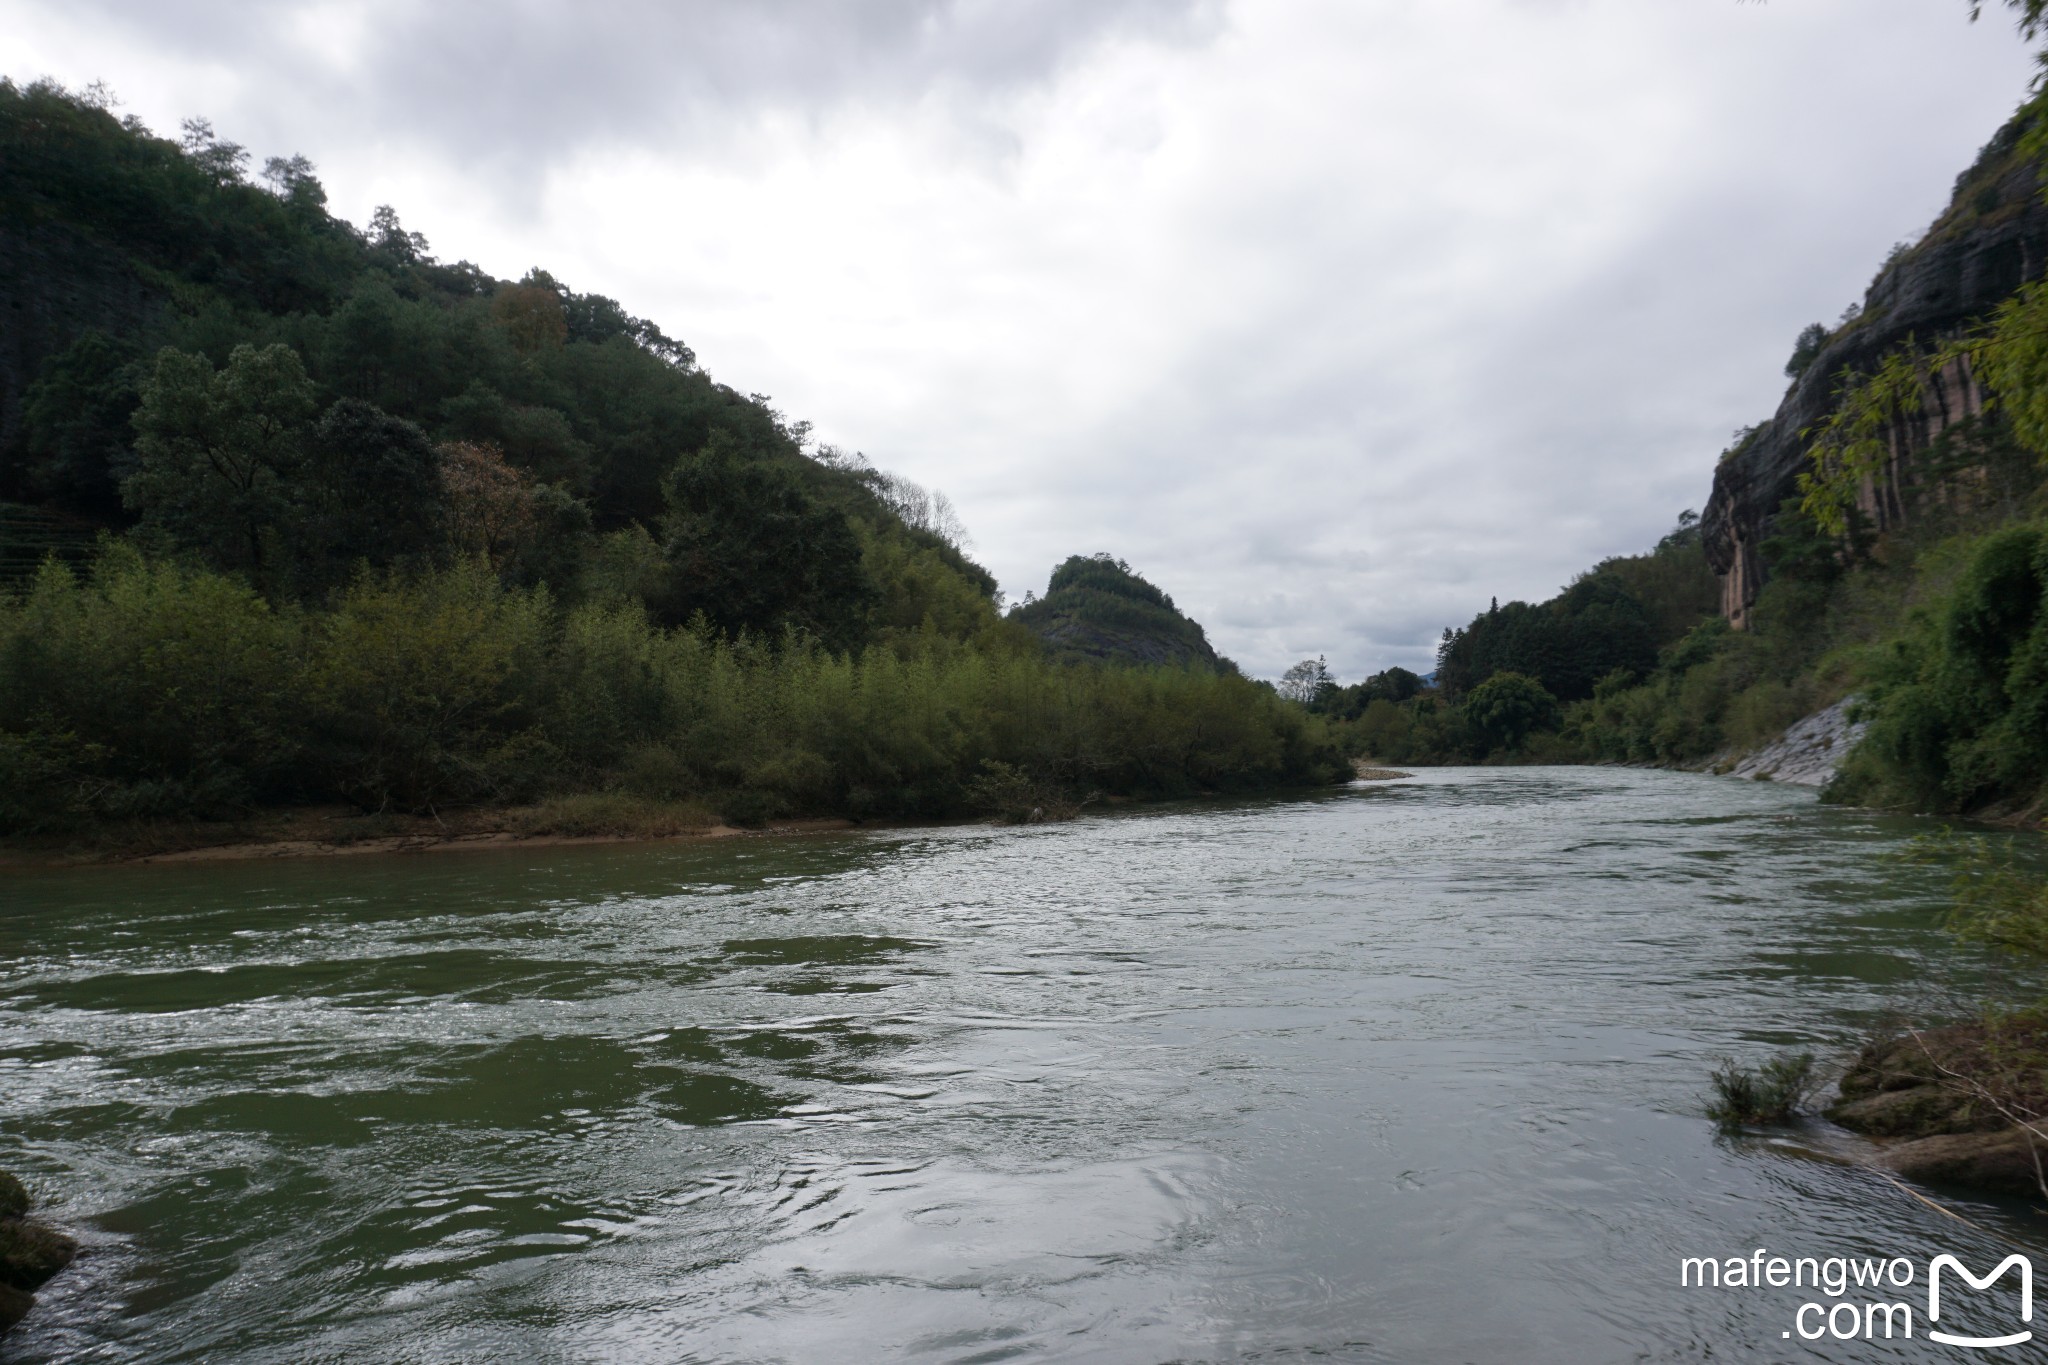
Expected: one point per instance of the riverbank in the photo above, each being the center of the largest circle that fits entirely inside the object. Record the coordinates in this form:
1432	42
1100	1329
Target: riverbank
332	831
582	818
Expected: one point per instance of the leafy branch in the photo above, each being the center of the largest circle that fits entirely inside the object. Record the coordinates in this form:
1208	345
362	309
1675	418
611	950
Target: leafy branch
1854	443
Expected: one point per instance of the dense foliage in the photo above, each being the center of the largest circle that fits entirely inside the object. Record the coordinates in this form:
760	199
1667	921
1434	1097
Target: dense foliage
1097	608
1507	683
1609	622
1960	699
152	688
278	406
382	529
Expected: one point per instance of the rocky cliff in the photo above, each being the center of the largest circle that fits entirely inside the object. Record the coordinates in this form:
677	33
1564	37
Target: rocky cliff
1992	239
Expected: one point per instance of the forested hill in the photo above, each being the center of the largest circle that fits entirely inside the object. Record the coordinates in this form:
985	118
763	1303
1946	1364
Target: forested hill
294	513
1097	609
325	364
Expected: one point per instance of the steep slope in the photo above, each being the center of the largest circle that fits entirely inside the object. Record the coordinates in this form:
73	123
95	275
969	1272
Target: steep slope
629	470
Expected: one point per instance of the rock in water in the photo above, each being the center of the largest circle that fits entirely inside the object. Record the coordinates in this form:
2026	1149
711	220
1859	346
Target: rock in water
30	1253
14	1305
1941	1106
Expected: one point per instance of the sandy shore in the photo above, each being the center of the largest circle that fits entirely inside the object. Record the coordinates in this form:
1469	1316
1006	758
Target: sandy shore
325	834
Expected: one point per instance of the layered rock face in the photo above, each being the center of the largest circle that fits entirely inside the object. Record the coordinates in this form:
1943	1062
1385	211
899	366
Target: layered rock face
1992	239
1087	641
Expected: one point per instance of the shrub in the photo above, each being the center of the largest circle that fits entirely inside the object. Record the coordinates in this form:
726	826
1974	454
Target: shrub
1507	707
613	814
161	688
1771	1093
145	690
423	693
1997	900
1959	703
1011	796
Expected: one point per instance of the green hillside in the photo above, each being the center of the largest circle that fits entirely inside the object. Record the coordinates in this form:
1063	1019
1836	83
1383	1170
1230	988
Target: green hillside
377	527
1096	609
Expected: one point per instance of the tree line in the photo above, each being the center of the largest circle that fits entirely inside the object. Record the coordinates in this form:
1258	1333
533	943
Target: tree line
380	528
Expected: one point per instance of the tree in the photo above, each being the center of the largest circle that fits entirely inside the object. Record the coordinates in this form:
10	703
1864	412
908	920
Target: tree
1307	681
1811	339
292	180
2033	14
538	440
750	548
216	450
921	509
1395	684
75	424
531	315
367	491
1508	707
388	235
491	511
1568	643
221	160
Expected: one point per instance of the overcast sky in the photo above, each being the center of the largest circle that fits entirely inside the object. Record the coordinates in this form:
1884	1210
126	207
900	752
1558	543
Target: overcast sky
1335	318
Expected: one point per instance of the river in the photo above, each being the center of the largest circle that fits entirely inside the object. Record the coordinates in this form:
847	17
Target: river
1401	1072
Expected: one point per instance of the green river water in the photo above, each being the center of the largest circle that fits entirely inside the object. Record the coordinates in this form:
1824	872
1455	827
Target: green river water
1401	1072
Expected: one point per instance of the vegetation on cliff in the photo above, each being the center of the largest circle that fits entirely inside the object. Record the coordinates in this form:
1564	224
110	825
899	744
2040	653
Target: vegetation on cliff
376	528
1097	609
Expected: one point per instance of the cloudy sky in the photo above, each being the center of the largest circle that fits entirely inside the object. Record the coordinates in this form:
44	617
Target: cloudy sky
1334	317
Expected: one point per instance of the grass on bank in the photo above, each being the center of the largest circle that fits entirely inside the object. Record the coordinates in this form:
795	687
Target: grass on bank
1773	1092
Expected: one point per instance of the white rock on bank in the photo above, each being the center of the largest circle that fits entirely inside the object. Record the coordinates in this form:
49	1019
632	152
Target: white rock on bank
1805	755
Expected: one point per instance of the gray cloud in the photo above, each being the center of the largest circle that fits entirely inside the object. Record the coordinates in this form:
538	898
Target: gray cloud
518	85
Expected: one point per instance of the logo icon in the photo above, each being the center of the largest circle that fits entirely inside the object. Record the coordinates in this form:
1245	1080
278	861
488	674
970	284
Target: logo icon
2026	1269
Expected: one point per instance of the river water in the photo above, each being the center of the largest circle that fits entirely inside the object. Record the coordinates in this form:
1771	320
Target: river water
1404	1072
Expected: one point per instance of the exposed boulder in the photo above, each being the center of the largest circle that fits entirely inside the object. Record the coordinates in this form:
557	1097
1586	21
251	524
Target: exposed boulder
2002	1161
1954	1106
30	1253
